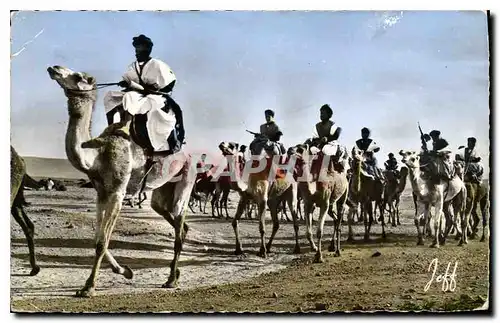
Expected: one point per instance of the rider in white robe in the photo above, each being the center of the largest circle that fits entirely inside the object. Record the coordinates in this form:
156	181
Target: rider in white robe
156	75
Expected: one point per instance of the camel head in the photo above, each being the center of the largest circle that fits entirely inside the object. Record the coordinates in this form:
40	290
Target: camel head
357	154
70	80
229	148
459	168
410	158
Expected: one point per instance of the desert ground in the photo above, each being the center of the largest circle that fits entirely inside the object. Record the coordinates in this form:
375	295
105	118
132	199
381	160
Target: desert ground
381	274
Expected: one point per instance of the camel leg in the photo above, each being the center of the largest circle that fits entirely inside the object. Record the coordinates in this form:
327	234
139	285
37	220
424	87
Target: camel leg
325	204
418	212
397	210
471	206
448	218
284	210
225	196
292	201
485	212
338	226
437	222
350	220
392	211
29	231
308	205
216	200
244	199
335	245
125	271
299	209
262	227
170	202
381	210
273	205
374	215
191	202
368	218
112	204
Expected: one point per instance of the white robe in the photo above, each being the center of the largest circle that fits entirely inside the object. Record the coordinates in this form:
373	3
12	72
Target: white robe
330	148
160	124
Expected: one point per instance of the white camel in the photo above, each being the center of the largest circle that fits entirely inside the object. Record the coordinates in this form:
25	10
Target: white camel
117	168
433	194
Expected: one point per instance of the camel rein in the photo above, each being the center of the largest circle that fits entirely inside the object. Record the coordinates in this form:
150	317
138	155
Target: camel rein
97	87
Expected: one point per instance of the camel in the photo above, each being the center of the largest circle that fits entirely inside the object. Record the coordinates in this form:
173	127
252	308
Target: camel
477	195
17	179
266	186
392	193
323	184
438	194
204	186
363	190
116	168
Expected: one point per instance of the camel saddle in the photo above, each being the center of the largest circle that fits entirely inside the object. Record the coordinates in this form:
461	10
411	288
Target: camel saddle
139	132
437	166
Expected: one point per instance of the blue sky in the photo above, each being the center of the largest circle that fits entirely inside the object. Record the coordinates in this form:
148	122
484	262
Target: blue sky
382	70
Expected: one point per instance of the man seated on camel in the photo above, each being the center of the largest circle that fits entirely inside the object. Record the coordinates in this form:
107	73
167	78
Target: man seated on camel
325	135
436	161
269	136
473	166
369	147
392	164
156	119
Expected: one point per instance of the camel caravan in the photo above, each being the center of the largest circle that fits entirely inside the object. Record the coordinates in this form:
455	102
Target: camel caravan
142	151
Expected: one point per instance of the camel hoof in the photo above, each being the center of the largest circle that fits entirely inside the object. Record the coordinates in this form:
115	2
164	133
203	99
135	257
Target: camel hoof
314	248
296	250
483	239
337	254
434	245
238	251
318	259
350	239
420	242
128	273
393	224
262	253
461	243
86	292
473	236
169	284
399	223
172	282
268	248
366	237
35	270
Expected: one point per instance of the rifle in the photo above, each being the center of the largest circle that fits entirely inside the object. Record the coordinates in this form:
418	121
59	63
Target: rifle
424	144
256	134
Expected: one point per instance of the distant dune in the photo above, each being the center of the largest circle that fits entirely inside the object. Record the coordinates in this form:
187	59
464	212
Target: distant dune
52	167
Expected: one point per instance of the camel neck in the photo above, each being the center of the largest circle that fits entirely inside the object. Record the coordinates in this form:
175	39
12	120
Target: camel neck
414	180
80	115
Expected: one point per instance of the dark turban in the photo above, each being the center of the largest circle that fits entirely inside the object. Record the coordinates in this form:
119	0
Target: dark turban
435	133
269	113
327	108
142	40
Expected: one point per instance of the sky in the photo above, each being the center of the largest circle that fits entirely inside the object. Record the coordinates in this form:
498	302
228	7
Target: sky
381	70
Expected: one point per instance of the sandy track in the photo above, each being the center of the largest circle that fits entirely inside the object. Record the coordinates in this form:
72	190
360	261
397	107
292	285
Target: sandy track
144	241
